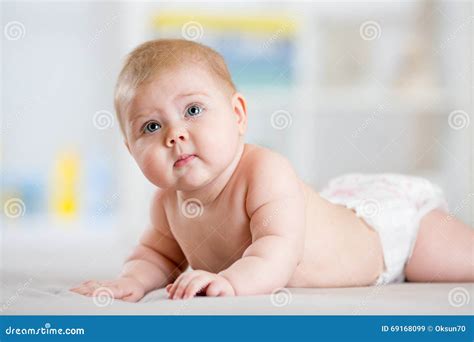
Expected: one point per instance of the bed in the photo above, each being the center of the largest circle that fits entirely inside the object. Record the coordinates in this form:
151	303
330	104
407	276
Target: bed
38	269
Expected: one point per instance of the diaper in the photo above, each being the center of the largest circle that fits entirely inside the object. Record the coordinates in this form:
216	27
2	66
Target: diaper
391	204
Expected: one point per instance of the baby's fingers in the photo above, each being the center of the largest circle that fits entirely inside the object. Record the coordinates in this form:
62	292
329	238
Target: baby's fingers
97	291
180	284
214	289
219	288
196	285
81	287
111	291
82	290
86	288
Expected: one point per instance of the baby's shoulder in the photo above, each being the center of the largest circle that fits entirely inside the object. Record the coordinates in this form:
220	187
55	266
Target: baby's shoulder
270	177
262	162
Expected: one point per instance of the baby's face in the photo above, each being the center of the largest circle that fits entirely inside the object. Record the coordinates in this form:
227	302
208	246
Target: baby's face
184	112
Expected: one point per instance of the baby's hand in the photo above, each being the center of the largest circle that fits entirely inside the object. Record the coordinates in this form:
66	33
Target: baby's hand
191	283
126	289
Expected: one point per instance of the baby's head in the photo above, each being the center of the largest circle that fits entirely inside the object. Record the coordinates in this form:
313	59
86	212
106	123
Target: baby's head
175	98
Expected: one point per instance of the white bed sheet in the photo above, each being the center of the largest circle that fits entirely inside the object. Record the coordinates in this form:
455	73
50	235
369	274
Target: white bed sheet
37	273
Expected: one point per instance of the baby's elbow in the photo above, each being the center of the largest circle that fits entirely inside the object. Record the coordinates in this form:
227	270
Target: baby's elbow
139	252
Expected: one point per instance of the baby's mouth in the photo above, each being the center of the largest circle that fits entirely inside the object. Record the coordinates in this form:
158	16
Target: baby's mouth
184	159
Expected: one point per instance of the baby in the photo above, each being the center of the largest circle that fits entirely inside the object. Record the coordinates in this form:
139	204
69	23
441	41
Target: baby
238	214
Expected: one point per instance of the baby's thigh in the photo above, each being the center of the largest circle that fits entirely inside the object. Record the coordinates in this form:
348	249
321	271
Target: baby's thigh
444	250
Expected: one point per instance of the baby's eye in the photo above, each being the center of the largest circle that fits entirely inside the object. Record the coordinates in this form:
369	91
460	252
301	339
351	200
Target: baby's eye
151	127
194	110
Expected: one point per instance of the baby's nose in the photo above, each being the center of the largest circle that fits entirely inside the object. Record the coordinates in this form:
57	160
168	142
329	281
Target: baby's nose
174	136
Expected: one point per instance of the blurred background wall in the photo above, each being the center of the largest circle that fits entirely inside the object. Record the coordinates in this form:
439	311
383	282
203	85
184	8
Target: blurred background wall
336	87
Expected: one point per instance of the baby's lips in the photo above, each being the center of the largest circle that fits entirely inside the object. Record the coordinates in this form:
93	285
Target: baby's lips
184	159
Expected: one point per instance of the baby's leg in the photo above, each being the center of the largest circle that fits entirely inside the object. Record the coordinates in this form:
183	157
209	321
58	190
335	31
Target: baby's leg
444	250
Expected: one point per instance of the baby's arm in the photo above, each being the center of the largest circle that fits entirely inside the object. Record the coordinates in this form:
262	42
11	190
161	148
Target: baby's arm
276	207
156	261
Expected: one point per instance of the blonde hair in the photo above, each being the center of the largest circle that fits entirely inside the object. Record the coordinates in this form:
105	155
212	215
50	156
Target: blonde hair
148	59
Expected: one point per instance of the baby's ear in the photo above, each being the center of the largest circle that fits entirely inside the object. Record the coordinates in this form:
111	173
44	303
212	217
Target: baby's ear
239	106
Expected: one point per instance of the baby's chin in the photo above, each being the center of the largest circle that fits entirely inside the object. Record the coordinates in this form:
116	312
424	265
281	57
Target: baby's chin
188	183
191	179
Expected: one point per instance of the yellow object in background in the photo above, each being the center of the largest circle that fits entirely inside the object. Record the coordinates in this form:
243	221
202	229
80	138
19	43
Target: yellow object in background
65	185
280	24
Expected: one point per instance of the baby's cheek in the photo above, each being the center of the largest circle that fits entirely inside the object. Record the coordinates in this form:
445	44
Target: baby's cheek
221	139
154	168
